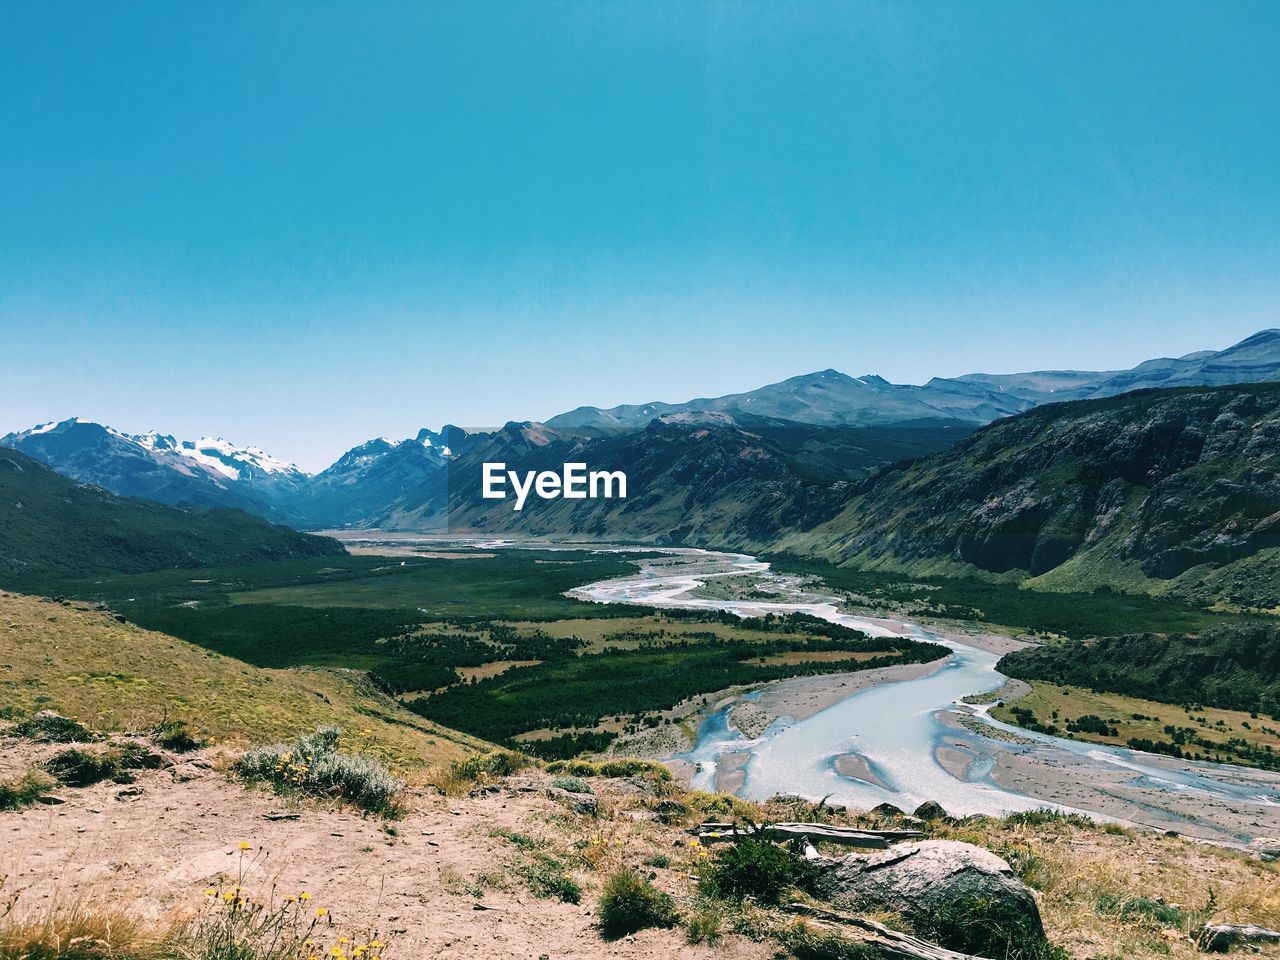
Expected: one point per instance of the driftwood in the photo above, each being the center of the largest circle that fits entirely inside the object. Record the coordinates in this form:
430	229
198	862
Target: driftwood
844	836
889	943
1221	937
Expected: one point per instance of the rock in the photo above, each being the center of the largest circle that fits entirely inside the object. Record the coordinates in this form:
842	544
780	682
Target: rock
939	885
1265	848
889	810
1221	937
931	810
584	803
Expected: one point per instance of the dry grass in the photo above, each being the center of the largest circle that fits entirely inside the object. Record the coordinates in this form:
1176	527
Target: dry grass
113	676
1116	893
78	931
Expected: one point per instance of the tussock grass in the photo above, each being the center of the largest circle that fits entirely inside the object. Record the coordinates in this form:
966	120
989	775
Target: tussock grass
21	791
549	878
49	727
80	767
629	903
175	735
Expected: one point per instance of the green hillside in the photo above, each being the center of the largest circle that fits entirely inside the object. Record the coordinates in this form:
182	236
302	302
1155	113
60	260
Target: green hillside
1167	492
52	528
1232	666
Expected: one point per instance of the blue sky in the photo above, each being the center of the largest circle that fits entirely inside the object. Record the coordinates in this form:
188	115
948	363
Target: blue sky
302	225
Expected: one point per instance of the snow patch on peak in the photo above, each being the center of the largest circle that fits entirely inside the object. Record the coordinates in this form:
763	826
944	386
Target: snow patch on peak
47	427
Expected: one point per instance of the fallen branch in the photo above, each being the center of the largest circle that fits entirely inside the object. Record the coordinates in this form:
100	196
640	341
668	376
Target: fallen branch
844	836
890	943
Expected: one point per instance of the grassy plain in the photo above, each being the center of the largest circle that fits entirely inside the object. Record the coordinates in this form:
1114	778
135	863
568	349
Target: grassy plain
1231	736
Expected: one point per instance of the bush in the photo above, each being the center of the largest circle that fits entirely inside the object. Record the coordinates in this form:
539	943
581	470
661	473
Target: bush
623	767
754	867
313	766
988	928
495	763
19	792
48	727
572	784
629	903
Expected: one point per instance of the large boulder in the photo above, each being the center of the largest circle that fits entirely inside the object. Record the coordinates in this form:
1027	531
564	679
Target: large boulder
962	896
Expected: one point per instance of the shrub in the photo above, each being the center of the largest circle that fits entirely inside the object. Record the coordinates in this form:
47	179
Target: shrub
754	867
988	928
174	735
622	767
723	805
1047	815
19	792
312	766
48	727
629	903
572	784
495	763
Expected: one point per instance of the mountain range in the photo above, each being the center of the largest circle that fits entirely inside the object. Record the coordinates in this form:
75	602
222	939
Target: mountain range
1171	491
833	398
726	469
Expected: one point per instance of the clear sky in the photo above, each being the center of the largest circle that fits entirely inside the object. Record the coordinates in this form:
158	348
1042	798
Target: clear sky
300	225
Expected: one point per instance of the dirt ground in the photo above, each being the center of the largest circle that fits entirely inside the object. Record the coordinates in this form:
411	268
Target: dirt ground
429	889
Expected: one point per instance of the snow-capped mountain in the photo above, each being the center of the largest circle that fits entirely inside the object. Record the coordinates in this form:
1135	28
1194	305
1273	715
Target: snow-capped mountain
213	472
360	485
210	472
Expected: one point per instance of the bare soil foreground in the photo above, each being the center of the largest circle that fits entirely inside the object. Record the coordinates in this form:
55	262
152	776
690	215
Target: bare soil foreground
495	871
443	881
